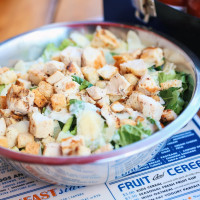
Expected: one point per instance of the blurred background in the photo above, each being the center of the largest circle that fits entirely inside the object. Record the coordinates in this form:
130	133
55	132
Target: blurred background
18	16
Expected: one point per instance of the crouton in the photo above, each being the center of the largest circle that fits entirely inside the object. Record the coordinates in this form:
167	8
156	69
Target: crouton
132	79
117	107
90	74
3	104
71	54
107	71
93	58
153	55
114	98
137	67
46	89
8	77
33	148
96	93
21	126
85	97
58	101
19	100
4	142
168	116
127	122
66	86
103	101
40	100
171	83
101	84
147	85
125	57
55	77
118	85
105	148
23	139
11	134
71	145
52	149
83	151
105	39
23	83
73	69
48	140
111	119
2	126
139	119
53	66
150	107
41	126
9	117
36	76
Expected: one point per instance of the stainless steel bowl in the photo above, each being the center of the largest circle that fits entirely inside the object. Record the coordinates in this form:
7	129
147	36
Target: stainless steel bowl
96	169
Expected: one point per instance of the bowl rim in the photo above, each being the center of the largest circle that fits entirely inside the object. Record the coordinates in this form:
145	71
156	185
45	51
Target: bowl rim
128	150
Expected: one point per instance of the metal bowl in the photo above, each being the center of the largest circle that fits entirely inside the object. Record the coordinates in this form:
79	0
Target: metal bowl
96	169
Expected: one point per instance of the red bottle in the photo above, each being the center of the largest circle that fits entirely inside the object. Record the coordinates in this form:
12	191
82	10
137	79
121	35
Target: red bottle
176	4
193	7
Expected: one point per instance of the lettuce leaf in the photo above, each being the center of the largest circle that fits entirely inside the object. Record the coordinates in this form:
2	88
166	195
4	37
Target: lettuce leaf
72	101
130	134
49	51
173	100
83	83
2	87
153	121
163	77
65	43
67	125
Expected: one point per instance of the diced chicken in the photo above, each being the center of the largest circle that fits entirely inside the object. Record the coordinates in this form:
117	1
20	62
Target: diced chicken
2	127
103	101
171	83
58	101
74	69
168	116
67	86
12	134
107	71
55	77
111	119
147	85
125	57
8	77
71	54
114	98
23	139
132	79
3	103
118	85
48	140
71	145
105	148
153	55
33	148
150	107
90	74
53	66
105	39
36	76
40	125
23	83
85	97
159	99
4	142
137	67
93	58
89	125
19	100
46	89
21	127
96	93
40	100
117	107
101	84
127	122
52	149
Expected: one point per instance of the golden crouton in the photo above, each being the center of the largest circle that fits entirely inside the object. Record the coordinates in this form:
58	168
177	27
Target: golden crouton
58	101
127	122
107	71
90	74
132	79
33	148
139	119
3	141
40	100
46	89
23	139
54	78
168	115
104	38
3	104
